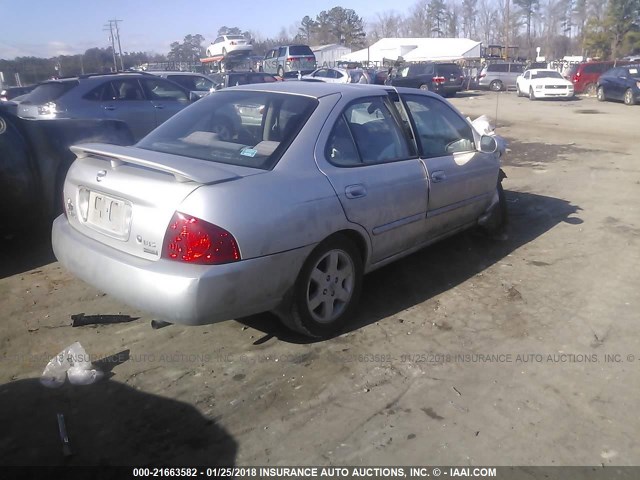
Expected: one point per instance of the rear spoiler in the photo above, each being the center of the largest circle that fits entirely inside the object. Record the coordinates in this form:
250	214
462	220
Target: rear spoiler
198	171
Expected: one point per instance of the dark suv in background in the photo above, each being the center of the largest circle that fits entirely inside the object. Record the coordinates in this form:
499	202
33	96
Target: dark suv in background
443	78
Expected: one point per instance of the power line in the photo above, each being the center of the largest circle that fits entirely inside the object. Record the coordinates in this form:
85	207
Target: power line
113	36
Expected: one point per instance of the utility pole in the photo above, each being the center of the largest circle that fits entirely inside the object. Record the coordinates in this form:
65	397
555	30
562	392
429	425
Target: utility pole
115	22
506	30
113	46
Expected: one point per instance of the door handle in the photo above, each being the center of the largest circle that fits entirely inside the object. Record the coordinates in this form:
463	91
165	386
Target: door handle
438	176
355	191
109	107
159	107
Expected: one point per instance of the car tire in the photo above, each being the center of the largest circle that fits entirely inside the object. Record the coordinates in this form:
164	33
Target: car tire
628	97
600	94
424	87
334	267
590	89
281	72
532	96
499	217
496	86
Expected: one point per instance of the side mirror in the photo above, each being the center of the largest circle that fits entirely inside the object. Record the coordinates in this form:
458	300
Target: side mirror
488	144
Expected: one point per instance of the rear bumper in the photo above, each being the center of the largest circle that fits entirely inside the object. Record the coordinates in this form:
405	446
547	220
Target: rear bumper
177	292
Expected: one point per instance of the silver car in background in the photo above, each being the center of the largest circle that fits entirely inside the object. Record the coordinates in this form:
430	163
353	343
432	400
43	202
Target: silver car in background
142	101
307	188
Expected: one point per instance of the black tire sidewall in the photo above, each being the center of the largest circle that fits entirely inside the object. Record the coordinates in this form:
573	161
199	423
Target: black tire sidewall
299	304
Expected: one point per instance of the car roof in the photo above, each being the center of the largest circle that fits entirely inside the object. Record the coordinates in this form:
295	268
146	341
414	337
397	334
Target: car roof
536	70
173	72
314	89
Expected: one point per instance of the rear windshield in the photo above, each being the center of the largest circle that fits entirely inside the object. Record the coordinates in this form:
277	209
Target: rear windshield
448	70
236	37
251	129
50	91
300	50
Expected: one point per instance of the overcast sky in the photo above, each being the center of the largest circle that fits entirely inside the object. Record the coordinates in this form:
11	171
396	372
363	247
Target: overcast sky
46	28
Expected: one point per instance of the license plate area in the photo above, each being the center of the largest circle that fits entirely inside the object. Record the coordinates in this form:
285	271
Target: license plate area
109	215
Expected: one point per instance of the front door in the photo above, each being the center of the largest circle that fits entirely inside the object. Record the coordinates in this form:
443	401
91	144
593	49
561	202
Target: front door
462	180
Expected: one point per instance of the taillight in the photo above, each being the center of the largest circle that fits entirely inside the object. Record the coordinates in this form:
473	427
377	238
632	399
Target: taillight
290	59
192	240
311	59
438	79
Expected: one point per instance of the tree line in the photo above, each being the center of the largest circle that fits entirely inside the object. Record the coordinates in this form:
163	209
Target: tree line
594	28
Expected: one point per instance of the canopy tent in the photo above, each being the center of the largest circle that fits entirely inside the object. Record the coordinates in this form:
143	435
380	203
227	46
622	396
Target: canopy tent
416	50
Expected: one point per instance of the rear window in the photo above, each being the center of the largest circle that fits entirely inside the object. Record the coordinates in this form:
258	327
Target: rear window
235	37
300	50
448	70
50	91
251	129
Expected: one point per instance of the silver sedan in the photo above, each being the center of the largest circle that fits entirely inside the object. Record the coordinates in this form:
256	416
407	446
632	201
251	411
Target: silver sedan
275	197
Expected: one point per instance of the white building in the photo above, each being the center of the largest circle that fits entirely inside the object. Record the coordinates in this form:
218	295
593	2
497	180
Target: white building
416	50
329	55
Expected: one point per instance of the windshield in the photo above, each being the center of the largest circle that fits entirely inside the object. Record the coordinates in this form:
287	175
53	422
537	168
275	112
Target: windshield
251	129
546	74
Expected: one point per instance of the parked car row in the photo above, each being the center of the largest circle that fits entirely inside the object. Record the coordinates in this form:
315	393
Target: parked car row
620	83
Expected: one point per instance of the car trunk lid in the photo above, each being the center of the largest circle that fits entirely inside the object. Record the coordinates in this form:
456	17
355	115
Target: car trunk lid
125	197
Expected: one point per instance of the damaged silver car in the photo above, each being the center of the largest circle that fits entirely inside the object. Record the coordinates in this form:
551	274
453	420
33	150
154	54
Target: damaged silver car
275	197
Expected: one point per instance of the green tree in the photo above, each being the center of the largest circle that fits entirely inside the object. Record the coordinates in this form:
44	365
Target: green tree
439	14
623	17
189	50
341	25
469	14
526	10
307	28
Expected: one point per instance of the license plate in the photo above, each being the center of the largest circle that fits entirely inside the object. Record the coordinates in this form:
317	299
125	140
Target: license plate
109	214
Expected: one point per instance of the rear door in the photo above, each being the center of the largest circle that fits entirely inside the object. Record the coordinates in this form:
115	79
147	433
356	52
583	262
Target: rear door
515	70
451	75
375	173
462	180
124	99
166	98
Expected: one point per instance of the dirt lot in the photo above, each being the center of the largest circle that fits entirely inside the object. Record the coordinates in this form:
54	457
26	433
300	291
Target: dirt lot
475	351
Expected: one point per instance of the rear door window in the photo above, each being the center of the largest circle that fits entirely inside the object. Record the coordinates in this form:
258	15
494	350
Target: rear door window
377	135
126	90
498	68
